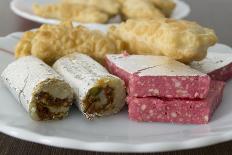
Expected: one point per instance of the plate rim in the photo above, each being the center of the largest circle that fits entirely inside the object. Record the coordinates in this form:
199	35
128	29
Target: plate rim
114	147
101	146
43	20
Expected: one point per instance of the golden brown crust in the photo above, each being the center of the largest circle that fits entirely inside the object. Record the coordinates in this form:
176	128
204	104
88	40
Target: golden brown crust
24	46
100	11
109	6
121	1
49	43
166	6
74	12
140	9
182	40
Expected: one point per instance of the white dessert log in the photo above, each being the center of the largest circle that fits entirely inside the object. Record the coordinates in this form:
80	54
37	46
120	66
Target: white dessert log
98	93
41	91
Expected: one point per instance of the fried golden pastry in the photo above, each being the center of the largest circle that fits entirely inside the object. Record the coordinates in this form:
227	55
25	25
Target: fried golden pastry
166	6
50	42
182	40
24	48
140	9
109	6
121	1
74	12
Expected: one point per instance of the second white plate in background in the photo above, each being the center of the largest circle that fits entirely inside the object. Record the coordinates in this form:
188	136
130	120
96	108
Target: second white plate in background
23	8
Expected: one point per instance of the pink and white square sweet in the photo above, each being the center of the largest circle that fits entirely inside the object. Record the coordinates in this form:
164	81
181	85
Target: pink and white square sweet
218	65
152	109
158	76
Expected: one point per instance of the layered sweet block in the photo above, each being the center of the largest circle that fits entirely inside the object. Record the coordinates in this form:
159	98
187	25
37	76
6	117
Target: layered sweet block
185	111
218	65
158	76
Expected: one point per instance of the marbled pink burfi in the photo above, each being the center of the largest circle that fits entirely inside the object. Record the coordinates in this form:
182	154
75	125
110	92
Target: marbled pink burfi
218	65
222	74
158	76
151	109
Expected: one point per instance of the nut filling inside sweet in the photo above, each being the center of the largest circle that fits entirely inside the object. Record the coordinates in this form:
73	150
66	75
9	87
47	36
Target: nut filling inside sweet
49	108
99	100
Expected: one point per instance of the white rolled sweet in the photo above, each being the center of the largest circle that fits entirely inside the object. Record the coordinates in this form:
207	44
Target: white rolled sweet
98	93
41	91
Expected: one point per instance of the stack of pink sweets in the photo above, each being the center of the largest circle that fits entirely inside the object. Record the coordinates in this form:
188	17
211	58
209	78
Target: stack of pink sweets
161	89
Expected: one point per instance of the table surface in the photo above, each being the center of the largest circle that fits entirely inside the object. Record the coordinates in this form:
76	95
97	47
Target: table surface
211	13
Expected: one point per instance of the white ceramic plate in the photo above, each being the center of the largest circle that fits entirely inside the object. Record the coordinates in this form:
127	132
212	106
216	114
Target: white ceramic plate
23	8
111	134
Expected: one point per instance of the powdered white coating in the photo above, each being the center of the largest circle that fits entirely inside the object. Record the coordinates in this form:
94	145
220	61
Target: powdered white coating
27	76
83	73
213	61
146	65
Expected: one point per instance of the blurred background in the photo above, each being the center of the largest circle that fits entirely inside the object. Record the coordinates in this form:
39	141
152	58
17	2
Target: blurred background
215	14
